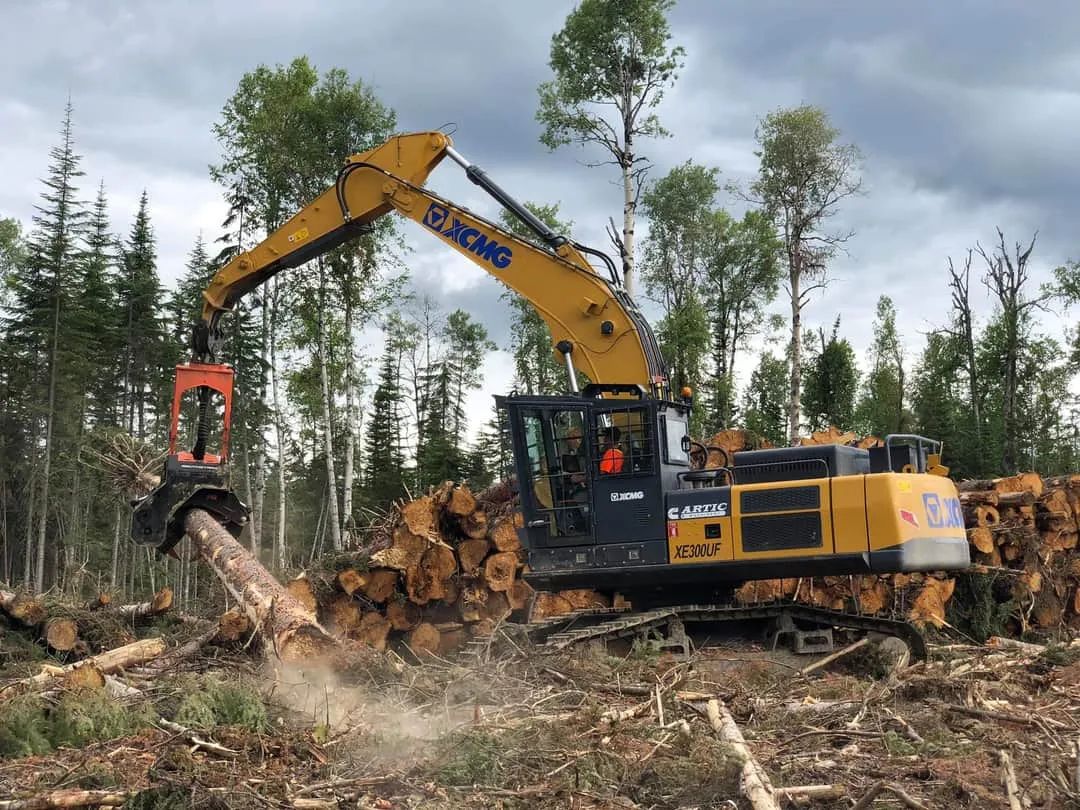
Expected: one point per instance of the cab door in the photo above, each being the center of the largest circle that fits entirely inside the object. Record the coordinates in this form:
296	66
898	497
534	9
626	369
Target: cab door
553	462
626	487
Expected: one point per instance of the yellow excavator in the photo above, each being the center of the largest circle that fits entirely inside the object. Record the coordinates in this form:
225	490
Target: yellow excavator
610	494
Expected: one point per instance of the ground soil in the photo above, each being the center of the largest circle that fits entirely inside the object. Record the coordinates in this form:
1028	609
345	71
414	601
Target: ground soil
515	727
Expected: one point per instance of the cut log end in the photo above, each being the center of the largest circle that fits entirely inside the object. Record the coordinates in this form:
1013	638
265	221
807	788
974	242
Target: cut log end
233	626
504	535
499	570
373	630
424	639
27	610
61	635
300	589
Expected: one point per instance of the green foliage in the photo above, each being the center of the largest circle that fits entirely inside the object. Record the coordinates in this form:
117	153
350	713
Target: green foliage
742	278
384	472
682	230
452	370
831	381
683	334
139	293
30	726
1045	431
12	247
765	400
980	606
470	758
17	650
285	132
939	401
217	702
881	407
86	717
803	175
23	728
611	65
804	171
608	52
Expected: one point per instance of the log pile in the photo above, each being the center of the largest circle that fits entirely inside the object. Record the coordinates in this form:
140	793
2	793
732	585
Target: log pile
833	435
447	567
1023	529
723	445
73	632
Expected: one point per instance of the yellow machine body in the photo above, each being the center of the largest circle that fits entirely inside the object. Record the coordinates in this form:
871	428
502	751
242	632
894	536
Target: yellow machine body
878	522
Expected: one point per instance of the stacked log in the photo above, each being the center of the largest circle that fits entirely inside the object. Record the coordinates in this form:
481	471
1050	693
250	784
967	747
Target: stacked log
833	435
446	567
1023	527
723	446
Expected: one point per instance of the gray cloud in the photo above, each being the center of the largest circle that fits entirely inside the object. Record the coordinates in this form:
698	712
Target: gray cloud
965	111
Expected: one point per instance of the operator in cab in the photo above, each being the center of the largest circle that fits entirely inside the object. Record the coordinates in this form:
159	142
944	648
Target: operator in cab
611	457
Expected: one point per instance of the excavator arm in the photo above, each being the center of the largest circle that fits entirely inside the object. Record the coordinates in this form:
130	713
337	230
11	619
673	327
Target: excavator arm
593	322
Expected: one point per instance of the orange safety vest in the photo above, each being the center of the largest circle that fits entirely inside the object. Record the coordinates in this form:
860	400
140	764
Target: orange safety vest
612	461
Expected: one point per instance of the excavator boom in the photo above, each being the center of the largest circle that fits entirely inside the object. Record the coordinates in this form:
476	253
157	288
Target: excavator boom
591	318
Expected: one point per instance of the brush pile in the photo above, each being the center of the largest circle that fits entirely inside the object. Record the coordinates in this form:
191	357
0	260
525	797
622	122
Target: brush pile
78	632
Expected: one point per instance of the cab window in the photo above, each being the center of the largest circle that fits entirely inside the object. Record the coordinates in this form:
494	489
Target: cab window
622	442
558	469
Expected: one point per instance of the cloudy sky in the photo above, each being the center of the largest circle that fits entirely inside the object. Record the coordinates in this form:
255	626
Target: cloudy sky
966	112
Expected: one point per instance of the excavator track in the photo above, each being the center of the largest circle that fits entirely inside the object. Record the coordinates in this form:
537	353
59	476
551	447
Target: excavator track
562	632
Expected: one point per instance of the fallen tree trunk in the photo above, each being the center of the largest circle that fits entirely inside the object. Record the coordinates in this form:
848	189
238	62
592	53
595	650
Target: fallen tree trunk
68	798
293	633
171	659
92	671
755	782
161	602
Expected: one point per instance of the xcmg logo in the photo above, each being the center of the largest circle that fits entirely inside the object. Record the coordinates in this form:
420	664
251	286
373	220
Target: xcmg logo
439	220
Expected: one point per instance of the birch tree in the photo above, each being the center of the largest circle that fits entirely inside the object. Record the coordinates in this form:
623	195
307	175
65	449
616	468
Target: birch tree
611	63
803	176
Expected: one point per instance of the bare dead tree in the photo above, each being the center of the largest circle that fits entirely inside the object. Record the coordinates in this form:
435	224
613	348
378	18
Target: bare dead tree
963	330
1006	277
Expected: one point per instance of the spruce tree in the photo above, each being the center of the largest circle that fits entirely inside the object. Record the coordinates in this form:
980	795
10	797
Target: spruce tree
384	475
43	297
139	292
97	327
881	407
831	381
438	455
466	345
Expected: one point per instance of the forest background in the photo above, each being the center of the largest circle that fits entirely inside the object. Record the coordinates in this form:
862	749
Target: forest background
361	378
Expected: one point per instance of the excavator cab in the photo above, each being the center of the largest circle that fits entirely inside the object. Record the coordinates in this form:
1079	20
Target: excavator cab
592	471
195	479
